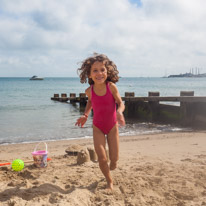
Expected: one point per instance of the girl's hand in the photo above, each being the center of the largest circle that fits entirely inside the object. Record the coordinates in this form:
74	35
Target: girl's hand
120	119
81	121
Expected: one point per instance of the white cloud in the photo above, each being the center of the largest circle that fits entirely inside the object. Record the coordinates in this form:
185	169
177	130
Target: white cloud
48	37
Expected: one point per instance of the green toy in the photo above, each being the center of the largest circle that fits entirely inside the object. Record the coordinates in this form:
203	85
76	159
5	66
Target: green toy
17	165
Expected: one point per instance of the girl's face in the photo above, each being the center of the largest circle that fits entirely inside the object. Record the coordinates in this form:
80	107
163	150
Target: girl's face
98	73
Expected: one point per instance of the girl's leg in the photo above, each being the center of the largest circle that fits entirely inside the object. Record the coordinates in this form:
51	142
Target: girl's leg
113	143
99	145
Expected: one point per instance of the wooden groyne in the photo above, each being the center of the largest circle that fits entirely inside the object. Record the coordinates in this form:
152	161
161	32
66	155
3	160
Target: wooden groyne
191	110
82	98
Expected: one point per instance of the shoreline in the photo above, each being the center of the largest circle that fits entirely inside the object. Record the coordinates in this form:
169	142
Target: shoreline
142	131
33	142
153	169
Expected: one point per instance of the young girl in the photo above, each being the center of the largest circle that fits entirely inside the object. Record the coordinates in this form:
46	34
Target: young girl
102	74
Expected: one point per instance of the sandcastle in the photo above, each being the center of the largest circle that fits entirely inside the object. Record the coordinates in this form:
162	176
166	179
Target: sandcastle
83	154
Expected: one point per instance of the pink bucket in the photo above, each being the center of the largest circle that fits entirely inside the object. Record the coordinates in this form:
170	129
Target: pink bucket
40	156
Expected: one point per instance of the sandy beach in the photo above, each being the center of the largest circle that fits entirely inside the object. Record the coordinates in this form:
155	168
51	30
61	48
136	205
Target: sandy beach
156	169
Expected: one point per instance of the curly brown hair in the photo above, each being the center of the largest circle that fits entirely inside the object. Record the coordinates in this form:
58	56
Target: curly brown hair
85	69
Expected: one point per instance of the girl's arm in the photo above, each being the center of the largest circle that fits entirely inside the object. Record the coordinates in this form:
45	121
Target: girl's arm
118	99
82	120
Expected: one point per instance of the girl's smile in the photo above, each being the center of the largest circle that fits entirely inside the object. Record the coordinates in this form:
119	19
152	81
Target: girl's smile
98	72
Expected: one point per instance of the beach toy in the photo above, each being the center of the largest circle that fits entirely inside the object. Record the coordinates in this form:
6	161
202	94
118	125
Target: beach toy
40	156
27	161
17	165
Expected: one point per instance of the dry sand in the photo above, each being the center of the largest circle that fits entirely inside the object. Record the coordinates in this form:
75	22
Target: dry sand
159	169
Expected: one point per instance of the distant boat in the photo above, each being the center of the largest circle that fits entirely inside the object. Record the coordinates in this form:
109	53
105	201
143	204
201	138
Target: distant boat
36	78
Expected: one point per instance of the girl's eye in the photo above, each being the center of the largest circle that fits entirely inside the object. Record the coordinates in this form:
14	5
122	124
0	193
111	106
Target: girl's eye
103	70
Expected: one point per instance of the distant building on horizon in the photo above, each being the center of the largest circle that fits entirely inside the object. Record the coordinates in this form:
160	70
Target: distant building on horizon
192	73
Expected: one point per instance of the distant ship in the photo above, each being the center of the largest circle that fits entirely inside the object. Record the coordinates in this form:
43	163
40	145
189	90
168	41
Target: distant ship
36	78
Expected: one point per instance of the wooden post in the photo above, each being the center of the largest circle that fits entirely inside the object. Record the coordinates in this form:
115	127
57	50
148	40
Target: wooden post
153	94
72	95
186	109
129	94
63	97
82	100
154	106
186	93
129	106
56	97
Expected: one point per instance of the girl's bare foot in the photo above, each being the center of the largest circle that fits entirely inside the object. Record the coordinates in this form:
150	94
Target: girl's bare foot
110	186
113	165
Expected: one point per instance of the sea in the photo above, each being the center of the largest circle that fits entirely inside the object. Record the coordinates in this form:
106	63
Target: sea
27	113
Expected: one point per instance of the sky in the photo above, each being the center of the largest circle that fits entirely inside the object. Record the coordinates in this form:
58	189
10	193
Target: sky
144	38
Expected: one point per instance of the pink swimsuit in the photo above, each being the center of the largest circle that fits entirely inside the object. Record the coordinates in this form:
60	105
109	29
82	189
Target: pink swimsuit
104	108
